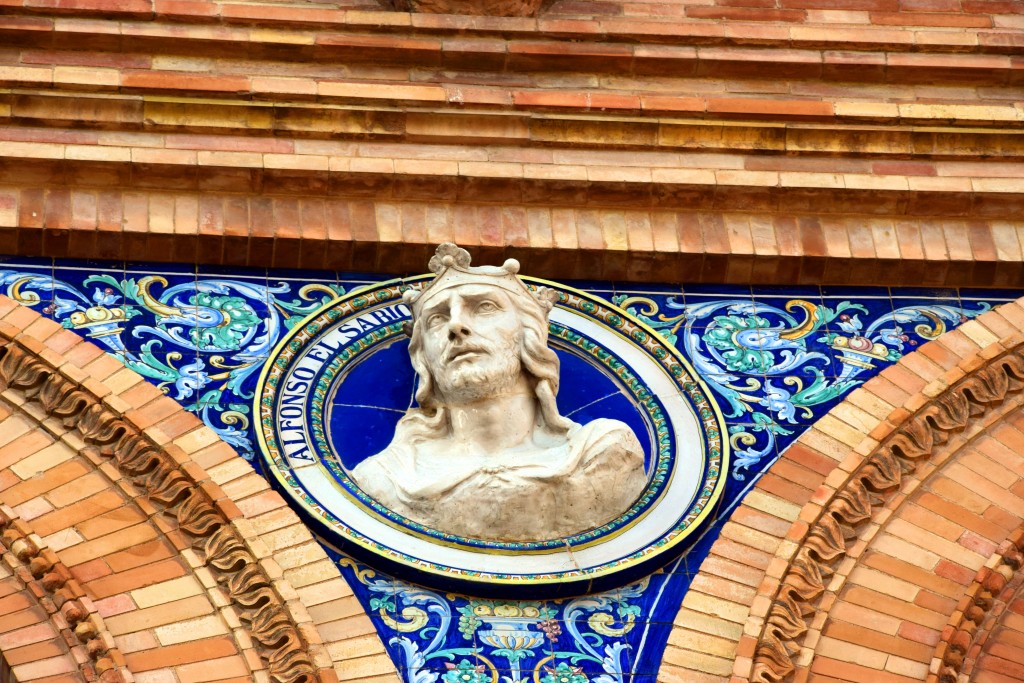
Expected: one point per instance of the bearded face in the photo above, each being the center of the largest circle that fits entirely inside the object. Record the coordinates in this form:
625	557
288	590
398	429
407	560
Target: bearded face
472	342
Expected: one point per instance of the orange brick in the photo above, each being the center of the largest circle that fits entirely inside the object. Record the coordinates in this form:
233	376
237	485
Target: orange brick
174	655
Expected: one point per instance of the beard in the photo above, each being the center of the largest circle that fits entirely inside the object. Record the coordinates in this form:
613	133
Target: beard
490	375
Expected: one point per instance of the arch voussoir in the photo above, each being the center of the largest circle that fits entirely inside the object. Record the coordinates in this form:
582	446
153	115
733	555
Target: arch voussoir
144	539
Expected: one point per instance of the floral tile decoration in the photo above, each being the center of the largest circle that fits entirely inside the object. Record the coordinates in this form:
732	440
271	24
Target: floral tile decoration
776	359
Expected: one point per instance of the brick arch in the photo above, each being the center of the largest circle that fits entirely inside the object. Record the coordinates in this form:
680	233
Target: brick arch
985	634
1000	660
33	643
998	653
137	544
863	519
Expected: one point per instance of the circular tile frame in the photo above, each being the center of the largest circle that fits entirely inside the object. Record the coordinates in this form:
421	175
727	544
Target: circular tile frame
358	526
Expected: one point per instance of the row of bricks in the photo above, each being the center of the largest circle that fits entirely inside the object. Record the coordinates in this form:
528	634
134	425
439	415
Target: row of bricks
157	584
608	30
502	183
315	220
772	509
914	538
138	42
295	128
28	450
615	244
792	10
810	107
33	647
708	28
804	15
300	130
1000	653
639	166
283	100
882	604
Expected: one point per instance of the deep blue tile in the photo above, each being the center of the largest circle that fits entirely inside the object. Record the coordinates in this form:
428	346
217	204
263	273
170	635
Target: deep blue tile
185	269
204	271
947	294
854	292
647	290
713	291
991	295
19	262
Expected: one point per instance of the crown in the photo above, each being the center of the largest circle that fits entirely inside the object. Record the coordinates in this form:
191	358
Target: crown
450	265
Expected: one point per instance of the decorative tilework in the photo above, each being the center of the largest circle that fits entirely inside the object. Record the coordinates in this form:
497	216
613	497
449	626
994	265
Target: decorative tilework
777	359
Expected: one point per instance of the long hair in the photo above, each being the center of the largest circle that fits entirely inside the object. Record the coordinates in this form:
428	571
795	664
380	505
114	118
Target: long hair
539	362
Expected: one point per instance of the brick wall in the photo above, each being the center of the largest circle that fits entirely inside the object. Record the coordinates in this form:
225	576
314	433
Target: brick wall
768	141
818	144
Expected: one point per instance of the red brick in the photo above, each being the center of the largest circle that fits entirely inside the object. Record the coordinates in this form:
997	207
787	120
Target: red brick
914	168
929	19
169	80
745	13
184	9
173	655
137	7
954	572
738	105
550	99
83	58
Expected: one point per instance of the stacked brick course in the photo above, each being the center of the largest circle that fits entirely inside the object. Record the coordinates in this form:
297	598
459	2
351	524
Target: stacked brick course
748	141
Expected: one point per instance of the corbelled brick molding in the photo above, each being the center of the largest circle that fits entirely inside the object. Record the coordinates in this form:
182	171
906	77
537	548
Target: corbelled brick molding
851	558
53	620
135	542
979	613
601	139
995	654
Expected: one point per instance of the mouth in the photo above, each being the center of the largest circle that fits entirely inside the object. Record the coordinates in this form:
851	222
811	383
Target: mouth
464	353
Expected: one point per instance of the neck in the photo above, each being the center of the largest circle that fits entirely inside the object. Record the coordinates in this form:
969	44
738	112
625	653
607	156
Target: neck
495	423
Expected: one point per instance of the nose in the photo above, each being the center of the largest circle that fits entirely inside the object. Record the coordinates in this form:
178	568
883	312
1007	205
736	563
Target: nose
457	329
458	326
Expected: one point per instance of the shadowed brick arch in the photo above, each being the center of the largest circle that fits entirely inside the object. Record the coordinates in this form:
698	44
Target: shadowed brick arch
855	556
984	637
138	546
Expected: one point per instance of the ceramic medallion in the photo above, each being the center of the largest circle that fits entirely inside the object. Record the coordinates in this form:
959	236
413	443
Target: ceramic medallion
526	437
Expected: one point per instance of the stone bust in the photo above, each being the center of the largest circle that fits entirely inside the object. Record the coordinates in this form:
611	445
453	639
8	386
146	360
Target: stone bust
486	454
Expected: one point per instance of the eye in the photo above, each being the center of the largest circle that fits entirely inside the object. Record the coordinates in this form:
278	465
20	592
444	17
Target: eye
436	319
487	307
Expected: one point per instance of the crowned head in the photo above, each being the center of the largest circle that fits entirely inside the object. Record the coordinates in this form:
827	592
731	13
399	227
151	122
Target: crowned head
466	342
451	267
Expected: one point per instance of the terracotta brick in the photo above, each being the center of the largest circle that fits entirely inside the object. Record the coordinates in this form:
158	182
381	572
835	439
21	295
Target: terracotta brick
31	653
62	518
57	476
955	572
174	612
25	628
107	545
173	655
183	81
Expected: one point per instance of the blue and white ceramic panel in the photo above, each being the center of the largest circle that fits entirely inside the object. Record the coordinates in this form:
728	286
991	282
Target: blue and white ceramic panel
774	359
